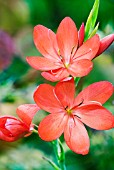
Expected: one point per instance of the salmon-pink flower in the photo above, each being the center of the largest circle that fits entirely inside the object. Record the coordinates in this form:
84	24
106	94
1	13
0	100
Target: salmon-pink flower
11	128
70	113
64	52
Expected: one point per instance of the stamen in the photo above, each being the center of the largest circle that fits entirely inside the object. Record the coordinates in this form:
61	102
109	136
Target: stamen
72	50
81	102
66	107
59	52
66	64
77	116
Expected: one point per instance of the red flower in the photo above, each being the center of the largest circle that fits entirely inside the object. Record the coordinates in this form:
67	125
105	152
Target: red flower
69	113
11	128
61	51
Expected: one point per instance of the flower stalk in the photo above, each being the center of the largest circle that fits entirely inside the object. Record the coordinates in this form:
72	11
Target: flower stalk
60	154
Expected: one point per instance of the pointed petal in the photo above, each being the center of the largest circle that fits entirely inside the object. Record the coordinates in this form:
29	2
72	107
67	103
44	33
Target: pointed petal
41	63
80	68
55	75
45	41
89	49
26	112
65	91
99	91
76	136
81	34
95	116
105	43
46	99
52	126
67	38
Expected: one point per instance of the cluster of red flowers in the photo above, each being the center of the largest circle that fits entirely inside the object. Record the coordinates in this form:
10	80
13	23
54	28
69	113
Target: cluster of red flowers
66	56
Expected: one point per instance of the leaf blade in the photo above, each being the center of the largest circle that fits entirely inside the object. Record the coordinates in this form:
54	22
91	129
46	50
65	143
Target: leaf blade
91	20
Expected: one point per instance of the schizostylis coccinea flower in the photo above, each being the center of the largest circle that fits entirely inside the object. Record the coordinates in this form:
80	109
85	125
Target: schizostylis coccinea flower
68	113
12	128
65	53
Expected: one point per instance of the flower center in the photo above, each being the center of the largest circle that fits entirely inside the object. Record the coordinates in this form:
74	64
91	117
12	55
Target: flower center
69	111
66	65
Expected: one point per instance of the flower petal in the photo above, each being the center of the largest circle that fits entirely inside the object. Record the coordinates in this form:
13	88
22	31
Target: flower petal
76	136
65	91
105	43
7	138
52	126
95	116
89	49
55	75
46	99
16	128
26	112
45	41
80	68
41	63
67	38
81	33
3	120
99	91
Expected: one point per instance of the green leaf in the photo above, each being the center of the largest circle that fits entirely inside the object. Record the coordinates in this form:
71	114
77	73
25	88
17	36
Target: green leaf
91	19
51	163
94	31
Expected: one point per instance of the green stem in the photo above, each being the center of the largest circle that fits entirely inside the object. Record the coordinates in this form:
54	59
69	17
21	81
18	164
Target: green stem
35	131
59	152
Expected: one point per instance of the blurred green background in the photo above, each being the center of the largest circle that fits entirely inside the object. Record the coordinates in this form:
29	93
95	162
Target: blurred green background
18	80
